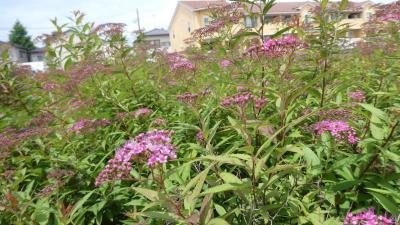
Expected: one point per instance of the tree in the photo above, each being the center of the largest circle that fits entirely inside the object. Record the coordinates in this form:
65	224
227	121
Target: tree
19	36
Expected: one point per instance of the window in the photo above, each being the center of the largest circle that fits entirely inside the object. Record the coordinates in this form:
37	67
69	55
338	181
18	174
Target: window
173	35
250	21
155	43
40	58
287	18
307	19
350	34
206	20
189	29
21	54
165	44
369	15
334	16
354	15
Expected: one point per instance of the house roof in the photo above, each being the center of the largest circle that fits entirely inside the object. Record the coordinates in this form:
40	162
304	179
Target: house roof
157	32
201	5
286	7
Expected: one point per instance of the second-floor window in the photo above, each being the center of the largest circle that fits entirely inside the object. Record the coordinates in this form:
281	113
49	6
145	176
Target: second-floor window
354	15
250	21
287	18
206	20
369	15
307	19
189	29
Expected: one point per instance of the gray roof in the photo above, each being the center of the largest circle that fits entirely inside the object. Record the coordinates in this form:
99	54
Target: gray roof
157	32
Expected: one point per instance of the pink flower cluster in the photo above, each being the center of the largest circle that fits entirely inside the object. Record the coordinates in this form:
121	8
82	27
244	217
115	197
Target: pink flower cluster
200	136
391	17
339	129
358	95
85	125
274	48
160	122
182	65
156	146
242	99
191	98
225	63
142	112
367	218
50	86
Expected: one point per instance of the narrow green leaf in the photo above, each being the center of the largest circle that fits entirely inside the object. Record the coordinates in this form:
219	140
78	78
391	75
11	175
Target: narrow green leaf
149	194
387	203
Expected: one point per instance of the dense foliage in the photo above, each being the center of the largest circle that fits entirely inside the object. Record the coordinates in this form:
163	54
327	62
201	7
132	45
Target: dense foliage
19	36
297	129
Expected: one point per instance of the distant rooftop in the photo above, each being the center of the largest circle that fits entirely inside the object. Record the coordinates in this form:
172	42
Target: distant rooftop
156	32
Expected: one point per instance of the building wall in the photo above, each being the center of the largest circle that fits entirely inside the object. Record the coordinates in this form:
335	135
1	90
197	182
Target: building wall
16	54
179	28
183	17
163	39
37	57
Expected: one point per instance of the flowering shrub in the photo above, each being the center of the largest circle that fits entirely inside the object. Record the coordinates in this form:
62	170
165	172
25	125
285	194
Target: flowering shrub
236	129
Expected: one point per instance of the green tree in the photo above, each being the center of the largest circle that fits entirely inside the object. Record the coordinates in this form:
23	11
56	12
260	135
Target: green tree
19	36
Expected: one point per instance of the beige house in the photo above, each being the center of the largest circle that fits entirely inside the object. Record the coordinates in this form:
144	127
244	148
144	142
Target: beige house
192	15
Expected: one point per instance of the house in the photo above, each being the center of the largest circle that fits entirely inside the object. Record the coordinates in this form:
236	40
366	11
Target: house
38	54
189	16
16	53
20	54
192	15
159	38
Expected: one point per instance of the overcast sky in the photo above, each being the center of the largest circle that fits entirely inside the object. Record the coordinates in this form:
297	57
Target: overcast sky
35	14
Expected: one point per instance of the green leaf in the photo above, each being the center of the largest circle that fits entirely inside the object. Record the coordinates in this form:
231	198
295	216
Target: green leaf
280	32
387	203
218	221
149	194
311	158
344	185
230	178
377	132
165	216
68	64
226	187
375	111
79	204
41	216
220	210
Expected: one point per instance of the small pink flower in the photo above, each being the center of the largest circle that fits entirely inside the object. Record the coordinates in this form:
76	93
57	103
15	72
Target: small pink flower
358	95
50	86
200	136
225	63
391	17
142	112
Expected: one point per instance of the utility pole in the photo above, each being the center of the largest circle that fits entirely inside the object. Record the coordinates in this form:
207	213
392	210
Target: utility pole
138	19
